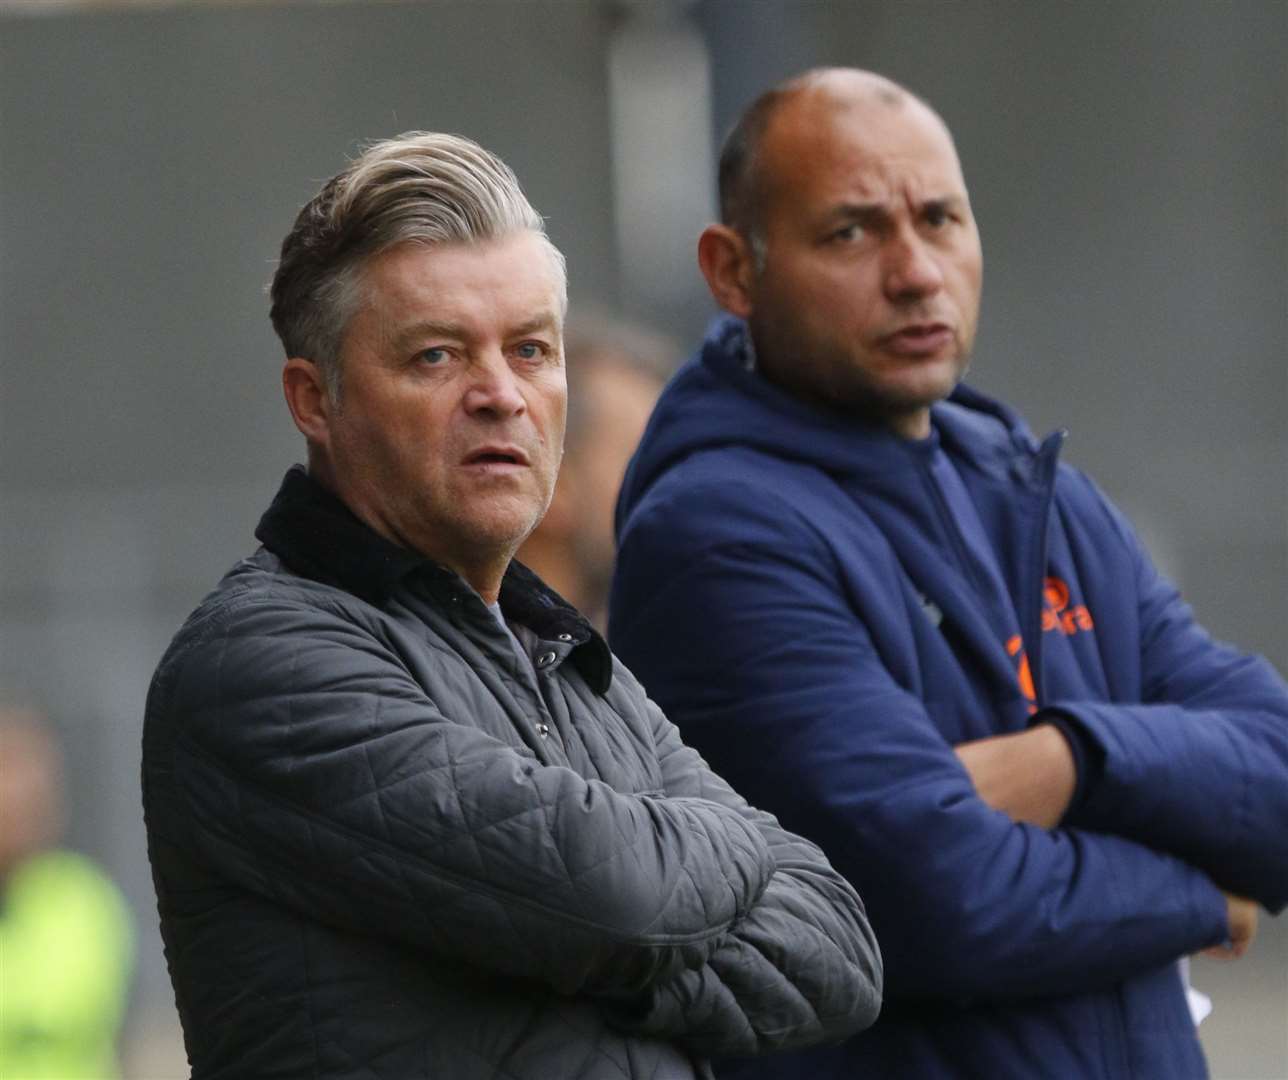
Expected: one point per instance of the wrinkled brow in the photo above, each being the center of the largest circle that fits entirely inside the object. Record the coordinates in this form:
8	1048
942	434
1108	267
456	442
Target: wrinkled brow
423	329
867	213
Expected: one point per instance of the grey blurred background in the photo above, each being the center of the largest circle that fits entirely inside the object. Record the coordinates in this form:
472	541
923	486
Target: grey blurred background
1128	163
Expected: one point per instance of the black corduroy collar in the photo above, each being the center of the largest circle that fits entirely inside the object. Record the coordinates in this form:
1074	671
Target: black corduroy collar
316	535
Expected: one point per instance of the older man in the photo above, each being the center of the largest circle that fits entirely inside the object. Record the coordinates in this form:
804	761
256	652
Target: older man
885	612
406	816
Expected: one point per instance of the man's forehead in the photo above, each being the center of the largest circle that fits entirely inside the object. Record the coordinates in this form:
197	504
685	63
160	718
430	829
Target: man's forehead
513	279
860	141
474	262
402	312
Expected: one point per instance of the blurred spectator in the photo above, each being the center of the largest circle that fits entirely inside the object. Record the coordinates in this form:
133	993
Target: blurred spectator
615	373
66	942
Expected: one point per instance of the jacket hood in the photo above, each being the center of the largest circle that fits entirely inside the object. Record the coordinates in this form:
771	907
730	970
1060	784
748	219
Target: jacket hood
717	400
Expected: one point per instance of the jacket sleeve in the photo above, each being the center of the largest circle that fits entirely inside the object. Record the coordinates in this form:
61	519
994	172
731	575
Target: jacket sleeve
309	767
801	968
743	629
1200	767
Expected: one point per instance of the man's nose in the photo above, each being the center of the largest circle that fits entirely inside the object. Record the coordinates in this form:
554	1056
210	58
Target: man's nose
911	268
494	388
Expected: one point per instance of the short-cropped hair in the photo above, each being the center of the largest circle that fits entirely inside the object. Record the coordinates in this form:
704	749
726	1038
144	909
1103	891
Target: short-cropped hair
742	178
419	187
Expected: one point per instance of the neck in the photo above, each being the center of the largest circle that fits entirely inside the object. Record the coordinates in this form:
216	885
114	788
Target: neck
491	592
908	423
483	575
912	425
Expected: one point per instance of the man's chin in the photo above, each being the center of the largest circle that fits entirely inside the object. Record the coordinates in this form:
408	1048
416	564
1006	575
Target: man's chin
502	529
884	403
920	389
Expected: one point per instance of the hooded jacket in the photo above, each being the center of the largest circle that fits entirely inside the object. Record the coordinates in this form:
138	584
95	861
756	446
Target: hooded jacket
796	593
387	844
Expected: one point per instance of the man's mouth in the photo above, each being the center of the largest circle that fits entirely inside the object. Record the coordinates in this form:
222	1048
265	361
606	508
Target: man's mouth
919	339
496	455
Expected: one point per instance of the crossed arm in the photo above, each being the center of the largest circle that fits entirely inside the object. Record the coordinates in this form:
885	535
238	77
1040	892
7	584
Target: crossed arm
1031	775
789	697
1199	768
316	772
802	968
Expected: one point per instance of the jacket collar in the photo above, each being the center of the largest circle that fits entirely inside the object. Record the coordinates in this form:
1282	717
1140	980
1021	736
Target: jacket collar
316	535
719	400
969	420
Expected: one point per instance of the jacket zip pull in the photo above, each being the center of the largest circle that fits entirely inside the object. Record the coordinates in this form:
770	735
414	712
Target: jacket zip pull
1044	473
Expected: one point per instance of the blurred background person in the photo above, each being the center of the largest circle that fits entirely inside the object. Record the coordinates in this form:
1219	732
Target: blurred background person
616	370
66	942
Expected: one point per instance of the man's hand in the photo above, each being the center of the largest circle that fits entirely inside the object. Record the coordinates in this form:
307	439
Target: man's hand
1241	914
1029	775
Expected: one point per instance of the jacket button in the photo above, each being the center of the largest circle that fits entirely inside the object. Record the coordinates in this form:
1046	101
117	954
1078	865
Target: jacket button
545	659
543	730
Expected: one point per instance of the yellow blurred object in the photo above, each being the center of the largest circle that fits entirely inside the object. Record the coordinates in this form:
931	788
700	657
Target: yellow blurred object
66	952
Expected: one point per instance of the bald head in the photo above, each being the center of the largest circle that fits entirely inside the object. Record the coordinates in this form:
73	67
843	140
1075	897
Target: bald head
748	175
849	247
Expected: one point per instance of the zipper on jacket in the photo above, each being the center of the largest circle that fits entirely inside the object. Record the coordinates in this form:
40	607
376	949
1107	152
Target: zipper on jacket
955	539
1030	608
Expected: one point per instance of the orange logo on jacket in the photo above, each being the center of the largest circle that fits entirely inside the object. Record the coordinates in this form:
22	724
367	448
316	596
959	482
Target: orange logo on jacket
1056	615
1024	673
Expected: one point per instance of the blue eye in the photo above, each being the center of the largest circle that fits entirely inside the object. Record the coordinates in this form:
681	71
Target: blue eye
433	356
530	350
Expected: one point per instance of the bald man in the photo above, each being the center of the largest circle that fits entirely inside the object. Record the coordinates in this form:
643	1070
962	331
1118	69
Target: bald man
886	612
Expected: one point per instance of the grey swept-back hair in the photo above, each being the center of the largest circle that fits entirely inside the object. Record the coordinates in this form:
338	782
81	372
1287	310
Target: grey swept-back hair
419	187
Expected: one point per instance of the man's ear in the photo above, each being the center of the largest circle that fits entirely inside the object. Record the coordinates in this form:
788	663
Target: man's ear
727	262
307	398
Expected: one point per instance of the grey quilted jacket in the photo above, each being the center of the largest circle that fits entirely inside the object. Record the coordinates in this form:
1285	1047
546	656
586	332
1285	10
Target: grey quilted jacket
385	845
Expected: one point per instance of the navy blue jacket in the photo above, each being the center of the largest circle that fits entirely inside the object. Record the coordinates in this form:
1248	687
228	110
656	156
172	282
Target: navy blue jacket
793	591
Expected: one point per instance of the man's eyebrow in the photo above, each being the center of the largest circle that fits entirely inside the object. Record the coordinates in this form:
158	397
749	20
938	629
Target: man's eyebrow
427	328
546	321
852	211
944	202
878	211
413	333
